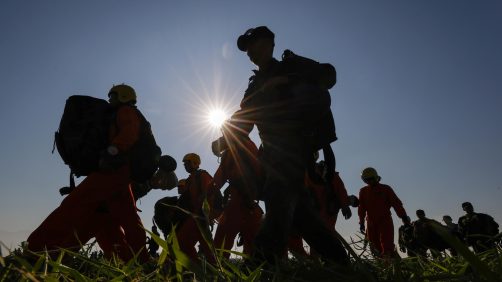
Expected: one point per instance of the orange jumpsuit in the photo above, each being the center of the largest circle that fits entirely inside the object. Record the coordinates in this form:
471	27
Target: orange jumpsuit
101	206
338	189
198	185
241	214
295	243
374	204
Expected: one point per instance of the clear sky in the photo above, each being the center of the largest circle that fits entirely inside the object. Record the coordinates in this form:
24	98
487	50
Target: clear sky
419	93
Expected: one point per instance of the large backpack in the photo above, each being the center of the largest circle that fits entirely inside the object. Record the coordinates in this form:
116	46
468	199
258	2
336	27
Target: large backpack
145	154
320	129
166	214
83	134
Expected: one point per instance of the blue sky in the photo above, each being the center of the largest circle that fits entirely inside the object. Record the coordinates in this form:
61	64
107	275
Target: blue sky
418	94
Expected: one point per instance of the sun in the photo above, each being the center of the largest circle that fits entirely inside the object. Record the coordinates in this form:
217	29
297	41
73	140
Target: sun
217	117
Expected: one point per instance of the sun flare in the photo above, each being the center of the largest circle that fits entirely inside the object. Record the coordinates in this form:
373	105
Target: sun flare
217	117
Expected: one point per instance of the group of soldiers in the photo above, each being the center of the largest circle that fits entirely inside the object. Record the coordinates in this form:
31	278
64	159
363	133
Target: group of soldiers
238	213
289	103
477	230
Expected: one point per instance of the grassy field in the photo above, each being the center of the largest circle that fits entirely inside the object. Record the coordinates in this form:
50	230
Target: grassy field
173	265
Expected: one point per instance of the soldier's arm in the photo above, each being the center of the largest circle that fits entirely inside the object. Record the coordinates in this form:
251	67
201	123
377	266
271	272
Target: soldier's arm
396	203
220	176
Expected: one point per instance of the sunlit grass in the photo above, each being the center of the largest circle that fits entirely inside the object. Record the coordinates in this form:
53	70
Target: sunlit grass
174	265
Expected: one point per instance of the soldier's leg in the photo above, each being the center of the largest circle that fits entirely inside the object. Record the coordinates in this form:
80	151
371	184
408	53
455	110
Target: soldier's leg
280	202
250	227
228	227
373	236
187	237
72	223
315	232
387	237
124	210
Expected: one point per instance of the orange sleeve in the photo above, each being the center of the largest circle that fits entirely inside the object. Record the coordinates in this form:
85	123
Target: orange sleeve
128	128
396	203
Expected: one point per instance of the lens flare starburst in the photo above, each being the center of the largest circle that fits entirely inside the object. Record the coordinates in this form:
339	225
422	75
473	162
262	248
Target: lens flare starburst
216	117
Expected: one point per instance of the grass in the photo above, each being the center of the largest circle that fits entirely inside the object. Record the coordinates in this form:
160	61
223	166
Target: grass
173	265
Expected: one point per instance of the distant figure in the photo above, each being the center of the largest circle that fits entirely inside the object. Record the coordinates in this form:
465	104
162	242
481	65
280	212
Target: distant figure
478	229
407	242
426	236
240	168
453	227
153	247
102	205
331	197
289	103
375	201
454	231
171	211
199	187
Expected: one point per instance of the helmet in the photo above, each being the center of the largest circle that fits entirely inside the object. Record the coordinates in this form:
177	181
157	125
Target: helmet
167	163
125	93
192	157
369	173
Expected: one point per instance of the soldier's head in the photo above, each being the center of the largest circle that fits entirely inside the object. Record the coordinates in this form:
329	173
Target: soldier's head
191	162
467	207
407	220
259	44
447	219
370	176
420	214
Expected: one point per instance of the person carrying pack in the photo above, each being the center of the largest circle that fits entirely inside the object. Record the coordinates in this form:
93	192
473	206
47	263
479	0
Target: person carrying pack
240	168
198	192
478	229
375	220
287	101
82	140
102	205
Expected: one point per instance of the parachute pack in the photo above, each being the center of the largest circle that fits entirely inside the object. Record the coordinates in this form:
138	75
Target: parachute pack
316	79
83	135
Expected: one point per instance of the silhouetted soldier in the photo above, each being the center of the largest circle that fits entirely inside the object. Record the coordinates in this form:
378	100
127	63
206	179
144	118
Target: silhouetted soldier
454	231
426	236
375	202
407	242
478	229
281	98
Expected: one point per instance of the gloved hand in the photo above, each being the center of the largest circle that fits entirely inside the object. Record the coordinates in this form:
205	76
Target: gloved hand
362	228
346	212
111	159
